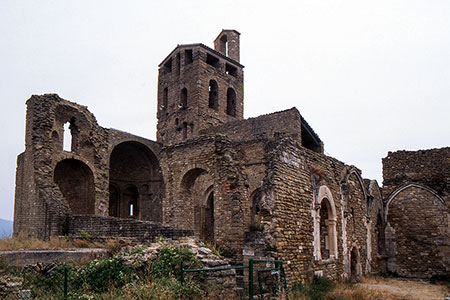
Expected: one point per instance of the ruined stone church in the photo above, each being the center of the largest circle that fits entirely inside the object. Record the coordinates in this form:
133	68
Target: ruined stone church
257	187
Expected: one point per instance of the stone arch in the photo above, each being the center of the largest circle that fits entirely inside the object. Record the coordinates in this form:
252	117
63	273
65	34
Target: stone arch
189	178
325	233
213	92
184	98
131	201
76	182
353	171
73	127
255	217
231	102
196	186
208	216
135	172
406	186
417	226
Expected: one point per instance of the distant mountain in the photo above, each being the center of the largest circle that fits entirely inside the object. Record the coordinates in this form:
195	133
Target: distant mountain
6	228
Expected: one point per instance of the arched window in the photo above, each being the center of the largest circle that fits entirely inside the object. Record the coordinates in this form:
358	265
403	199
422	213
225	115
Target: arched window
131	196
67	141
70	135
224	44
184	98
208	222
325	237
324	234
231	102
213	94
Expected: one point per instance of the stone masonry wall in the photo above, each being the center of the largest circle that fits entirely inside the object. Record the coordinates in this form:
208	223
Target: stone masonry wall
194	75
261	127
106	227
429	167
417	195
296	176
419	233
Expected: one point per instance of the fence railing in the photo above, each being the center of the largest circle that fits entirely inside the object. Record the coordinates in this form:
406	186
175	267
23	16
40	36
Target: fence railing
277	270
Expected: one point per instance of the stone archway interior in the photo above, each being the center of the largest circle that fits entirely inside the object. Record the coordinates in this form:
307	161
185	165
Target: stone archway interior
136	185
76	182
207	232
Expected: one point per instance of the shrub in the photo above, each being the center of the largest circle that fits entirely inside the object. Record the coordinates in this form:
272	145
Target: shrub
170	259
99	275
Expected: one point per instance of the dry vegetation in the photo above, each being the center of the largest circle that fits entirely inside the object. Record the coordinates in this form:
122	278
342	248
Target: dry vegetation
372	288
405	289
23	242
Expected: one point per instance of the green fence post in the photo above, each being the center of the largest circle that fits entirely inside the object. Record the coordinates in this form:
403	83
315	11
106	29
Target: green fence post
250	279
181	273
66	285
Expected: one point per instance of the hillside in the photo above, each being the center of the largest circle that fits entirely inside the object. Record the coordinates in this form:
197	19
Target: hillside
6	228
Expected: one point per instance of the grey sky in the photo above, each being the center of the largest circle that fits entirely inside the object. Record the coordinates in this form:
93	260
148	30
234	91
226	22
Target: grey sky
369	76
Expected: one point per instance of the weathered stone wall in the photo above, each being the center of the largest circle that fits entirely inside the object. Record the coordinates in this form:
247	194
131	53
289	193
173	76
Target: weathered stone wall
38	192
53	183
428	167
417	216
195	169
104	227
261	127
299	182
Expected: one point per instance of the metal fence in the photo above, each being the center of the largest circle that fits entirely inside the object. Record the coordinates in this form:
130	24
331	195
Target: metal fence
271	279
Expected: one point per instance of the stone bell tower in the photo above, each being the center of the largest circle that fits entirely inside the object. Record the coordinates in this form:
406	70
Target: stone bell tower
199	87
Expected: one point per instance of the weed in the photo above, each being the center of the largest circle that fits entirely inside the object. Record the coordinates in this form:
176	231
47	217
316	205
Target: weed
214	248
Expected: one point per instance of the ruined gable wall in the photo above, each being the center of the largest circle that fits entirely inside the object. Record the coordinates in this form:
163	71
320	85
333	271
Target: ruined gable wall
416	191
419	234
43	150
429	167
41	207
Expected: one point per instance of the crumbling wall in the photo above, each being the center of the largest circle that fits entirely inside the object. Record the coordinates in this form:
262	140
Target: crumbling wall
429	167
42	207
301	188
417	212
54	181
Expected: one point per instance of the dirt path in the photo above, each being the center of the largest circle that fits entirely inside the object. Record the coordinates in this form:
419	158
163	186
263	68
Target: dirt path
411	289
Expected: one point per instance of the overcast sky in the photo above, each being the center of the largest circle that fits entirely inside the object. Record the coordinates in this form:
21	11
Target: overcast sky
368	76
